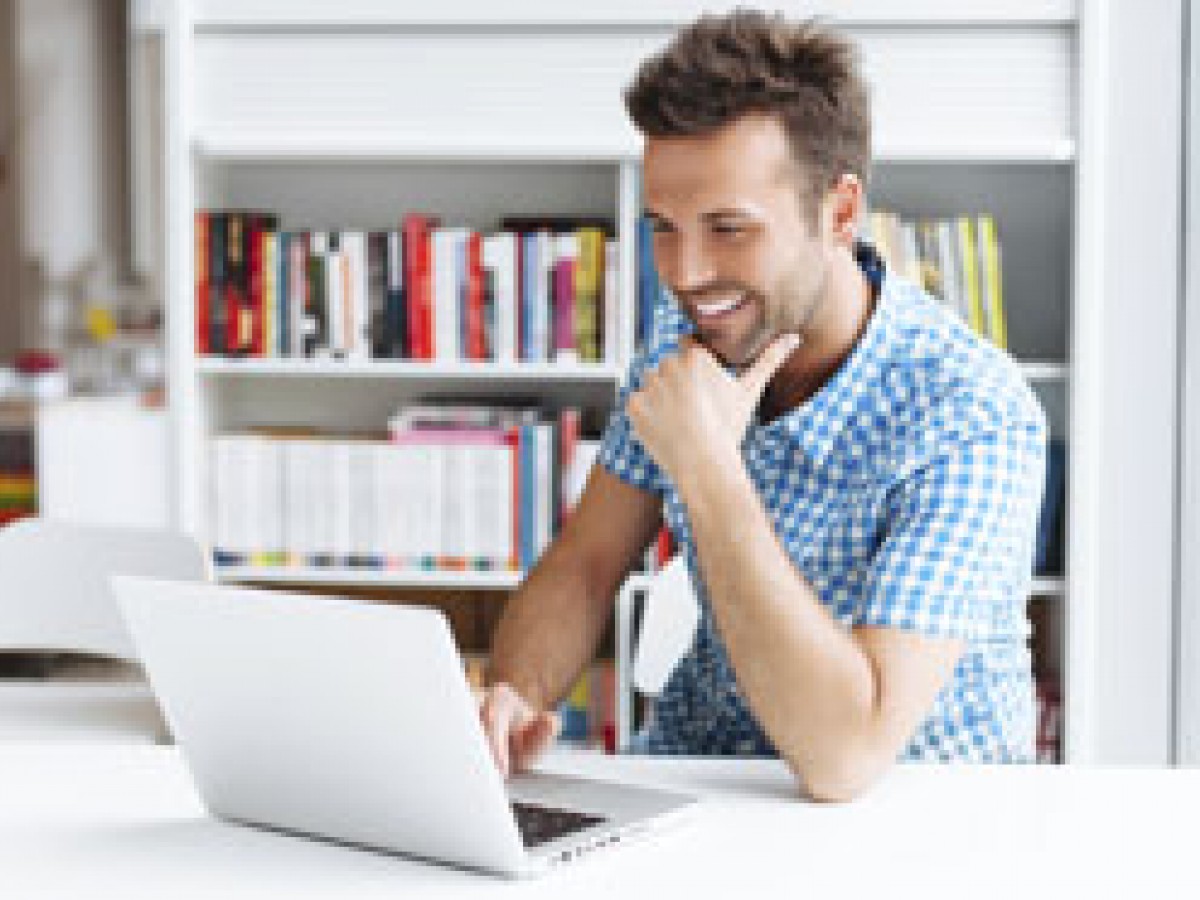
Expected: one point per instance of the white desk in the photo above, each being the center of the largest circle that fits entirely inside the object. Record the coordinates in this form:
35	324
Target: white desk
80	821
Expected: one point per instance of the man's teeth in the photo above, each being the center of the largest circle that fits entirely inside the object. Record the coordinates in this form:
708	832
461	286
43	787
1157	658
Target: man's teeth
713	309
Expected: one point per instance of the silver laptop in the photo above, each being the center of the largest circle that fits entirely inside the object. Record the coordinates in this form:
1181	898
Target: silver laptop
354	722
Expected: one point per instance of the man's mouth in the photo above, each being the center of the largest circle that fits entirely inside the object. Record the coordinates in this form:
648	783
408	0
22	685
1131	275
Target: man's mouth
718	308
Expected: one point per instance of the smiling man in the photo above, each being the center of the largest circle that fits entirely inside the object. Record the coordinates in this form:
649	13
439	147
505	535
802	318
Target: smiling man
852	474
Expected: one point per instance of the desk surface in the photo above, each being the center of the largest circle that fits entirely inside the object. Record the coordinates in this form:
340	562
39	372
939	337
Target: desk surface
124	821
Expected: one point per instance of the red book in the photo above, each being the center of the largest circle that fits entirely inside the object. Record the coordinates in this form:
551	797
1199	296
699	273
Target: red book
564	306
568	441
476	349
235	283
201	263
255	291
417	283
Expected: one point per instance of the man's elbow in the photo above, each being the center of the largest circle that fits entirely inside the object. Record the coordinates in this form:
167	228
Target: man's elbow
840	780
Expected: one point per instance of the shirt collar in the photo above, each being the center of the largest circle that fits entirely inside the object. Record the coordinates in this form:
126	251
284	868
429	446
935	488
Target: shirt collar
816	423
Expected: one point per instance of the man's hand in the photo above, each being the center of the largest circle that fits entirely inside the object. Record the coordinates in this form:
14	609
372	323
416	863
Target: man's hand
690	410
517	733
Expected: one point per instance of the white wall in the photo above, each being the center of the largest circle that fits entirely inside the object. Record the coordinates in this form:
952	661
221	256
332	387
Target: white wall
71	73
10	319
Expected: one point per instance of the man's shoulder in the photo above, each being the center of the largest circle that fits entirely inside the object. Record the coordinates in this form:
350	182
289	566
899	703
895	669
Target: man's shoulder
935	371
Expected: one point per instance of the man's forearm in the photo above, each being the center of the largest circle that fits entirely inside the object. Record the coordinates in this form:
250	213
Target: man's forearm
550	629
808	681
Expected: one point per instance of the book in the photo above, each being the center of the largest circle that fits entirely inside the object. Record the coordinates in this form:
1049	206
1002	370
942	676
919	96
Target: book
202	264
316	319
989	248
563	299
396	344
218	310
589	282
1048	544
379	341
356	294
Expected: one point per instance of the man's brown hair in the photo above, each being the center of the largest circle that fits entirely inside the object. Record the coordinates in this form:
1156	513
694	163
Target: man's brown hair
720	68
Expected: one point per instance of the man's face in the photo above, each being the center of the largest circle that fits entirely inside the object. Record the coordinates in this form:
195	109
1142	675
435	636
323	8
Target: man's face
732	238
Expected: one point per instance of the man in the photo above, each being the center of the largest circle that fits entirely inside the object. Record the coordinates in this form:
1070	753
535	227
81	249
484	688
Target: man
852	474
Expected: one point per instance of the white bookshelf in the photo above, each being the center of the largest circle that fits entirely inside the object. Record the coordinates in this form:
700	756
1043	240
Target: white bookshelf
342	577
340	116
389	369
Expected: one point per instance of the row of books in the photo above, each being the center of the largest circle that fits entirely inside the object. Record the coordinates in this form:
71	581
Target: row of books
536	290
18	485
587	715
958	260
448	488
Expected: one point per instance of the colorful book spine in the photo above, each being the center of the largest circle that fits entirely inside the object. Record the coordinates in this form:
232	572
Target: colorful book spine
202	263
563	299
235	284
396	304
475	330
298	293
590	293
989	247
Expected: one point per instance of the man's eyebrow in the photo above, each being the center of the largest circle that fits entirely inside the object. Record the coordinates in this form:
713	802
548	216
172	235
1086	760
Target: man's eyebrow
727	213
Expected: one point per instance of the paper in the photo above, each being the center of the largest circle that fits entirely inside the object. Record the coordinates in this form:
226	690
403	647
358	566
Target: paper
668	626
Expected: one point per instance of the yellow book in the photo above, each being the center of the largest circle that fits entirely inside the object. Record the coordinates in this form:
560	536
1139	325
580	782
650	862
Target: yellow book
998	326
970	270
579	696
588	273
270	261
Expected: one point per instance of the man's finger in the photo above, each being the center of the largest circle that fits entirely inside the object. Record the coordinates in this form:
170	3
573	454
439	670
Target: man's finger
532	739
763	369
498	713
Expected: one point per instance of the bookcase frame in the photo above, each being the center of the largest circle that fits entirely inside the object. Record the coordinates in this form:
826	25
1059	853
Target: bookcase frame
1019	83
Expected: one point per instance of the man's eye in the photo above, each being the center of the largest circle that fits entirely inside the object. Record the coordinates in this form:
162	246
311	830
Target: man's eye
729	229
659	227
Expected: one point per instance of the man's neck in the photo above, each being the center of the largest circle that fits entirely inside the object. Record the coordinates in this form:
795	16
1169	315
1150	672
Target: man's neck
833	334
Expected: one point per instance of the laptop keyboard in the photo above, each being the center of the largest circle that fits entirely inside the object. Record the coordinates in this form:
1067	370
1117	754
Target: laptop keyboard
541	824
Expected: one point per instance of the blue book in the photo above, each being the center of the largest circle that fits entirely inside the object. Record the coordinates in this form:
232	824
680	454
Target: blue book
526	500
528	282
649	289
282	294
1048	549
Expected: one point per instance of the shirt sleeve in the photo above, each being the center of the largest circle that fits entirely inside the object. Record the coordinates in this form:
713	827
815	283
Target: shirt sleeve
621	453
960	536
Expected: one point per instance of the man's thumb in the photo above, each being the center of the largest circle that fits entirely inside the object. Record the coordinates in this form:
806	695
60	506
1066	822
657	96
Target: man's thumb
763	369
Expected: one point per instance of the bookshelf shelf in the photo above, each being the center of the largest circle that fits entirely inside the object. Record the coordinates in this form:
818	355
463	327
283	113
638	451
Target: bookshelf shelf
1053	586
475	580
1047	151
221	367
242	146
1046	371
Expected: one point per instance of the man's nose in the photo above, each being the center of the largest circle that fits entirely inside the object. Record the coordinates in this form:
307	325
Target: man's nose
685	267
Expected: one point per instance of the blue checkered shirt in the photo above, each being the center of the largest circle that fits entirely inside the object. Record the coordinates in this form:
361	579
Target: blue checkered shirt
906	493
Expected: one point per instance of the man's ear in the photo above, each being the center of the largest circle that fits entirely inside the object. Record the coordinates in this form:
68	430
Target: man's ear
842	208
